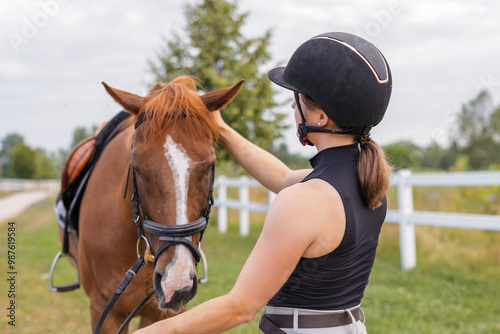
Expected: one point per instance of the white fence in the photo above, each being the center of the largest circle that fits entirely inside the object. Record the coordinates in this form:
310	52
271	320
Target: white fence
243	204
52	186
405	215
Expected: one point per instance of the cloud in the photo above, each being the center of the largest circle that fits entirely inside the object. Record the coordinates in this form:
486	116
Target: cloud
440	52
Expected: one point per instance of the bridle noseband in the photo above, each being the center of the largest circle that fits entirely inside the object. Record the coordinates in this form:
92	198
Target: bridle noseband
169	234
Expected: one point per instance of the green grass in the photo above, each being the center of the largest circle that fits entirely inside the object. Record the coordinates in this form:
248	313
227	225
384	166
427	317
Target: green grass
454	289
5	193
37	309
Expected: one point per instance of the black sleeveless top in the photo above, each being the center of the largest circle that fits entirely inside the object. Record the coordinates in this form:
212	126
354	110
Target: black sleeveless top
337	280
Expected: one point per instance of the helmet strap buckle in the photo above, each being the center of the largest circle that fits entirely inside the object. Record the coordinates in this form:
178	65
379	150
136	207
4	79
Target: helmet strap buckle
302	128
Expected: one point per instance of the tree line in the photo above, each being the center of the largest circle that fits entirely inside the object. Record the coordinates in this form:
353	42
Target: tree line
212	48
18	160
474	142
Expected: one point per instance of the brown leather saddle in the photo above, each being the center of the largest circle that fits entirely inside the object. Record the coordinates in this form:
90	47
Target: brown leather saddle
76	161
78	168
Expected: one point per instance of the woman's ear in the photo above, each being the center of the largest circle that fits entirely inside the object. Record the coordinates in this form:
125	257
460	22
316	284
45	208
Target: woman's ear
322	117
318	117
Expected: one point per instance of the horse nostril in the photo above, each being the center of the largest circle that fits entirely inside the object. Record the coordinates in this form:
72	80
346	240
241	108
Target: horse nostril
157	283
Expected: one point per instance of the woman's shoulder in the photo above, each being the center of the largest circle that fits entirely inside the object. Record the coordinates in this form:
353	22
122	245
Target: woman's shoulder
311	200
317	210
312	190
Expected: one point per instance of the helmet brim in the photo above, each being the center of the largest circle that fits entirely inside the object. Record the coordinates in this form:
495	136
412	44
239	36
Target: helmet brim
276	76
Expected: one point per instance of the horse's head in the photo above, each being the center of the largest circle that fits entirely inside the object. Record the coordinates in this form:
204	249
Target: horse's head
172	159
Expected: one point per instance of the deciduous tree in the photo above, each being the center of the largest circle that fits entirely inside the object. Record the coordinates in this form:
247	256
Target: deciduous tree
22	162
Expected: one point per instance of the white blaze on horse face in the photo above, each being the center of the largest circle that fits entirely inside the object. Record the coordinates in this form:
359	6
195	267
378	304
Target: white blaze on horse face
180	272
179	163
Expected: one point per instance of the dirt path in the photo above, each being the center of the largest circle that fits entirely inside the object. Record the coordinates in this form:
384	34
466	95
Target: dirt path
14	204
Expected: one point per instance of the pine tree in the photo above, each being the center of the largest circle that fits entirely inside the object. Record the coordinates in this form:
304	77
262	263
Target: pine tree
213	49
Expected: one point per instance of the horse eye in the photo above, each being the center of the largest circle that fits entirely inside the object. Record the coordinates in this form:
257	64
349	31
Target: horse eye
137	171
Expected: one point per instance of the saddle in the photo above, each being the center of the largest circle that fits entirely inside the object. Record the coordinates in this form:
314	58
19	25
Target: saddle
76	161
78	168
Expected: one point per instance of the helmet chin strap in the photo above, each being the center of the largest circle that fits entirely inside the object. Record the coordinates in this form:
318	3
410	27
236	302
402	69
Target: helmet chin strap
304	129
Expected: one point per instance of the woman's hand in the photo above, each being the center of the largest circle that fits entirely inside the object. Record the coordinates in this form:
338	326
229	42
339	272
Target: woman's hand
218	118
267	169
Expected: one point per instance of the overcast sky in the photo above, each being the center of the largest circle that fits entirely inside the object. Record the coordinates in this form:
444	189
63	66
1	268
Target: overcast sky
55	53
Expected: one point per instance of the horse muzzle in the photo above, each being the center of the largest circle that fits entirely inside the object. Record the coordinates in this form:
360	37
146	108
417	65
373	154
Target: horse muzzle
178	283
178	298
175	280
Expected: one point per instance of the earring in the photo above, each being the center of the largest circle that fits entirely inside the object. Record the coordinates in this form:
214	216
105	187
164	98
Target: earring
319	123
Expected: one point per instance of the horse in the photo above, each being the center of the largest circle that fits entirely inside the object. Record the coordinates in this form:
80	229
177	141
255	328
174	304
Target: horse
167	146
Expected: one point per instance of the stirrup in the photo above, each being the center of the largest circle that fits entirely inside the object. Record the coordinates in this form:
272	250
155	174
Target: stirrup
204	279
66	287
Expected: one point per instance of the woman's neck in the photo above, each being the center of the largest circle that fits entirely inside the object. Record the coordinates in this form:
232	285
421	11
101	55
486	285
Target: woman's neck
326	140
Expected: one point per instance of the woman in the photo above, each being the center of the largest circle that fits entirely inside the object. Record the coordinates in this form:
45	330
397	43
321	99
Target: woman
316	250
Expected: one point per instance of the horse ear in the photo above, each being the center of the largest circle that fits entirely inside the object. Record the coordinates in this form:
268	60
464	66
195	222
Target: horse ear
129	101
218	98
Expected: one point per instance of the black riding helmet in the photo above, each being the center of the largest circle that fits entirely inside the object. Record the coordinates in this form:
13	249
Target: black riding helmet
346	75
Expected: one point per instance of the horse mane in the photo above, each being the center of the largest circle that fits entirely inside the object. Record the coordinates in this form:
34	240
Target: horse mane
177	102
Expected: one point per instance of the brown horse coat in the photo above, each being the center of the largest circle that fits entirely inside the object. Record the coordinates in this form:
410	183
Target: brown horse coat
172	155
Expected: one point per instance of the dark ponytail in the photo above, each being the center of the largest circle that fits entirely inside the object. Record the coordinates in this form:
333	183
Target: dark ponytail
373	173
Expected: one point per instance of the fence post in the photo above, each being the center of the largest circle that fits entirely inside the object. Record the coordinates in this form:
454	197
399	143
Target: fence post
407	246
244	212
222	208
270	197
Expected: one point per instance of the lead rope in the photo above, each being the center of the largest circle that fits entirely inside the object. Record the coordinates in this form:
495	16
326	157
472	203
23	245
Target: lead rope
132	271
135	268
121	287
131	315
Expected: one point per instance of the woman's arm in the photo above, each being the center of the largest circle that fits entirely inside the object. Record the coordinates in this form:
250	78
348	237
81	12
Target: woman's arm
284	239
262	165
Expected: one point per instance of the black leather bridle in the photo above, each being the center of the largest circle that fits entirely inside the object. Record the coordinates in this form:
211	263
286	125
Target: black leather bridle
169	234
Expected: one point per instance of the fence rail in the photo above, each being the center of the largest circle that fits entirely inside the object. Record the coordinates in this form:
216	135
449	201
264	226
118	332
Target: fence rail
405	215
243	204
29	185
